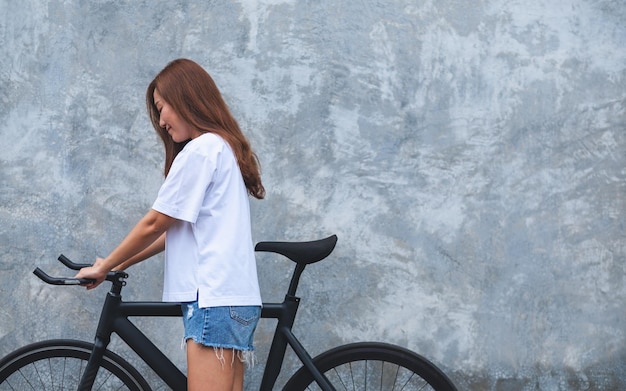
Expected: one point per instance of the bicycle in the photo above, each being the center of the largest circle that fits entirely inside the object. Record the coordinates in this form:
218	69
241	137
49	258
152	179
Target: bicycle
72	364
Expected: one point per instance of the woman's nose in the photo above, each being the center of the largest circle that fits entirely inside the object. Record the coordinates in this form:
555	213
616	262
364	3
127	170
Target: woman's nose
161	122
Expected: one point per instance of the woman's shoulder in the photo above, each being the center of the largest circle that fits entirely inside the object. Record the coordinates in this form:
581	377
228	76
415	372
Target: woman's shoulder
209	138
206	142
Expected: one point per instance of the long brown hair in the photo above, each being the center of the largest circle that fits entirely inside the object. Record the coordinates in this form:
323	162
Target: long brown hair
193	94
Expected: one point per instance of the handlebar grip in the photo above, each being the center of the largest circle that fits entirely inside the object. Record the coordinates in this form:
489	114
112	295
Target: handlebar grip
61	281
74	266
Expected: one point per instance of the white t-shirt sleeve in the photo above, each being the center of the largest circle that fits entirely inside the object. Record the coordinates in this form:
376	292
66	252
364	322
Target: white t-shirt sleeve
182	194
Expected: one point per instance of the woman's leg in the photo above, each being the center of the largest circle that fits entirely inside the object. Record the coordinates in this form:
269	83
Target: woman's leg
210	369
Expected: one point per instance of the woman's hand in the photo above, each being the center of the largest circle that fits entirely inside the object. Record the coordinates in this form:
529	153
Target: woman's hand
95	272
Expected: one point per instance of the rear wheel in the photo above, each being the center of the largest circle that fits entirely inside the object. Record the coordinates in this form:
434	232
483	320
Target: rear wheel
59	365
373	366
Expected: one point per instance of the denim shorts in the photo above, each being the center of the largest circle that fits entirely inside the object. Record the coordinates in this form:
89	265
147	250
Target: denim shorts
221	327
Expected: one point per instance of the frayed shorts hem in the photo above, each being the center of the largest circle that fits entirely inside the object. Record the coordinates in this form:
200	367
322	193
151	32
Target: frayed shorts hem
221	327
218	346
245	356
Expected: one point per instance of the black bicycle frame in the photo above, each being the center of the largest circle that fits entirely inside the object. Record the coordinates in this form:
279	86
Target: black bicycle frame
114	319
285	312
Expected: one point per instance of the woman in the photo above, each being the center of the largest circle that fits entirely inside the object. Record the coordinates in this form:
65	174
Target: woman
201	218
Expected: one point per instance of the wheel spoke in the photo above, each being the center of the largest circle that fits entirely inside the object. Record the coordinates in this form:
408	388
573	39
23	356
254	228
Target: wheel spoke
395	378
27	381
63	376
352	377
340	379
51	378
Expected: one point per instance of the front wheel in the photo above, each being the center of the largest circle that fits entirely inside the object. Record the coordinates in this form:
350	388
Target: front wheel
59	365
373	366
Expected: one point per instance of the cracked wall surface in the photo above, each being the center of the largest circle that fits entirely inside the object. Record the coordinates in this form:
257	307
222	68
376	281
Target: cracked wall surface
469	155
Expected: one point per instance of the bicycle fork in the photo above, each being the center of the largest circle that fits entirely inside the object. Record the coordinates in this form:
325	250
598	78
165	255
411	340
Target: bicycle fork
103	335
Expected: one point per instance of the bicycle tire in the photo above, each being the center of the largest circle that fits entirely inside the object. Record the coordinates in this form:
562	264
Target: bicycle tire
59	364
372	366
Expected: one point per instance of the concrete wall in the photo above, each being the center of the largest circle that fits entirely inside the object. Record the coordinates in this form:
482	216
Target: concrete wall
469	155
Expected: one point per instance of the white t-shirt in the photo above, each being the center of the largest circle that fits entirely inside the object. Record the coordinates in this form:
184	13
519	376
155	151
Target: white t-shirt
209	253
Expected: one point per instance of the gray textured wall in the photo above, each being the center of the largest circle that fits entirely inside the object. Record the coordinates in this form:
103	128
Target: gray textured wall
469	154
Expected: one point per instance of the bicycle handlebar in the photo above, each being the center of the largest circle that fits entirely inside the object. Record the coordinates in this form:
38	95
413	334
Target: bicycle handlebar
63	280
74	266
60	281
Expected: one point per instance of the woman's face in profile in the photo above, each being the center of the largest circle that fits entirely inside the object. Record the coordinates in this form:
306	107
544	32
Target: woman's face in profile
178	129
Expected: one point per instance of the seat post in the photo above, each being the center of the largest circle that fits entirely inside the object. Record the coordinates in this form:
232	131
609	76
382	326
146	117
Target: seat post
295	279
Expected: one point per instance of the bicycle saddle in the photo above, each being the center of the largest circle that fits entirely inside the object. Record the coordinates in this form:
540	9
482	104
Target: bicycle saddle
301	252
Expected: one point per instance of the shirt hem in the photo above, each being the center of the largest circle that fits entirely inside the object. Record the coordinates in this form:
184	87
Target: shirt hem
204	302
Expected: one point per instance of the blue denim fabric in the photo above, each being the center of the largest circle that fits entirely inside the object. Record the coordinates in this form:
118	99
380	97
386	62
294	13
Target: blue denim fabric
221	327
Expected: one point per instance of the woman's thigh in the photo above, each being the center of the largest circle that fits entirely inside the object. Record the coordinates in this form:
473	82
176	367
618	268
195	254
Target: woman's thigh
215	369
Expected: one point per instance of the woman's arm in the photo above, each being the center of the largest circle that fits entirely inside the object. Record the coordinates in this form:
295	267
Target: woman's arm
137	243
155	248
